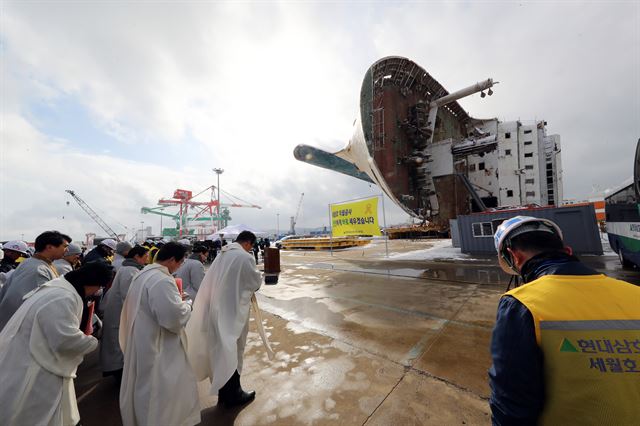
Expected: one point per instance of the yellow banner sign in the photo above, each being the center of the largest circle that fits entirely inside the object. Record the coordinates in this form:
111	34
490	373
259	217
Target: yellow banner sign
356	218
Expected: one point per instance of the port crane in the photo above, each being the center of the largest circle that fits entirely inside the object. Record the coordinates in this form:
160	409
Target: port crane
191	211
93	215
294	219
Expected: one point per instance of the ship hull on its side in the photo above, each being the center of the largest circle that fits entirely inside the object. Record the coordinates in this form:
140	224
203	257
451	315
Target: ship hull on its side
402	141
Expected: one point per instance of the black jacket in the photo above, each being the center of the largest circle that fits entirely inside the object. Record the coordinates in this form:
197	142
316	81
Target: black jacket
7	264
96	255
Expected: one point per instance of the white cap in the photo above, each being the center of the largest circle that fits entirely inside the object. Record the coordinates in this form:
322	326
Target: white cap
184	242
109	242
16	245
514	226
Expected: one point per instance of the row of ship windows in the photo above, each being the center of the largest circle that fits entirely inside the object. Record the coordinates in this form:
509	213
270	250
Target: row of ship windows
472	167
481	166
526	154
527	193
507	135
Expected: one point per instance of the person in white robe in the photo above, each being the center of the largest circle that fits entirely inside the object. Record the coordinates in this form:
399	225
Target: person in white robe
158	386
111	359
41	348
69	261
218	329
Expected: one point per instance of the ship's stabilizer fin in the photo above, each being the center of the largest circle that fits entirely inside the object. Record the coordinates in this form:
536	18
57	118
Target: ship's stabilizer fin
327	160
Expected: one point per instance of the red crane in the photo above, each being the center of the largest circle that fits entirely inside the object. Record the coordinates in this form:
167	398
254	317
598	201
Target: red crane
203	210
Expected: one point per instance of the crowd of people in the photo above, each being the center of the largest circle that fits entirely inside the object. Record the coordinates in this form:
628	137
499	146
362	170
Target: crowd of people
565	347
152	299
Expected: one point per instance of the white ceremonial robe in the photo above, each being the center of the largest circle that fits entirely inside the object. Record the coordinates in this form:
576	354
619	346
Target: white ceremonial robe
111	358
219	325
158	385
40	350
30	274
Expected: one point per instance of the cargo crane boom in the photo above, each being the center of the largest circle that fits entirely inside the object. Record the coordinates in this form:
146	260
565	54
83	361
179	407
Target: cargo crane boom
294	219
93	215
191	211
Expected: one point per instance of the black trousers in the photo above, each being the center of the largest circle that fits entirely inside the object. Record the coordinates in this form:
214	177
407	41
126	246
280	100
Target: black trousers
117	375
232	386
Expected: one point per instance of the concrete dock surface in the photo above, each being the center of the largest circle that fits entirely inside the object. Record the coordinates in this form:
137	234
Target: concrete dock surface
362	339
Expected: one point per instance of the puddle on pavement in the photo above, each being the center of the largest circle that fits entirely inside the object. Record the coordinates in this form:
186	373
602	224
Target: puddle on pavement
308	383
483	271
437	272
487	275
610	265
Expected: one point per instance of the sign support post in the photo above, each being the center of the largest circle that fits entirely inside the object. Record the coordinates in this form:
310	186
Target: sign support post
384	220
331	233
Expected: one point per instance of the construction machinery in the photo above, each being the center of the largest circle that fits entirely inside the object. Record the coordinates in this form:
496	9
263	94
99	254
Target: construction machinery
93	215
192	213
294	219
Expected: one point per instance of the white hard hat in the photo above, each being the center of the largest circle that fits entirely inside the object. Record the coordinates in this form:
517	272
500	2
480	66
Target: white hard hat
516	226
184	242
16	245
109	242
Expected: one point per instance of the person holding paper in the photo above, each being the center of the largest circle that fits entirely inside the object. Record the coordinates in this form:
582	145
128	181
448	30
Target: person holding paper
158	386
41	347
217	333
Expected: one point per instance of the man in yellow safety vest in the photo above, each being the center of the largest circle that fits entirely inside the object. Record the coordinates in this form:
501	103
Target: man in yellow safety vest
566	344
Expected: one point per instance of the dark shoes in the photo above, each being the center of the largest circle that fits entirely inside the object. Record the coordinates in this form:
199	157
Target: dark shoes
232	395
236	398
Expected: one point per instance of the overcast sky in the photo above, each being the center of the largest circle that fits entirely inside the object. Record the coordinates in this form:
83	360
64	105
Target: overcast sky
126	101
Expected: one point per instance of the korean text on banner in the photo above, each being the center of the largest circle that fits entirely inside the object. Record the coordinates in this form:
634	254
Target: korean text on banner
356	218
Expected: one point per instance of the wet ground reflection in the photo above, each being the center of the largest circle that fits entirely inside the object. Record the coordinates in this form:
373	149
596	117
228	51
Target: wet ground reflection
459	272
436	271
